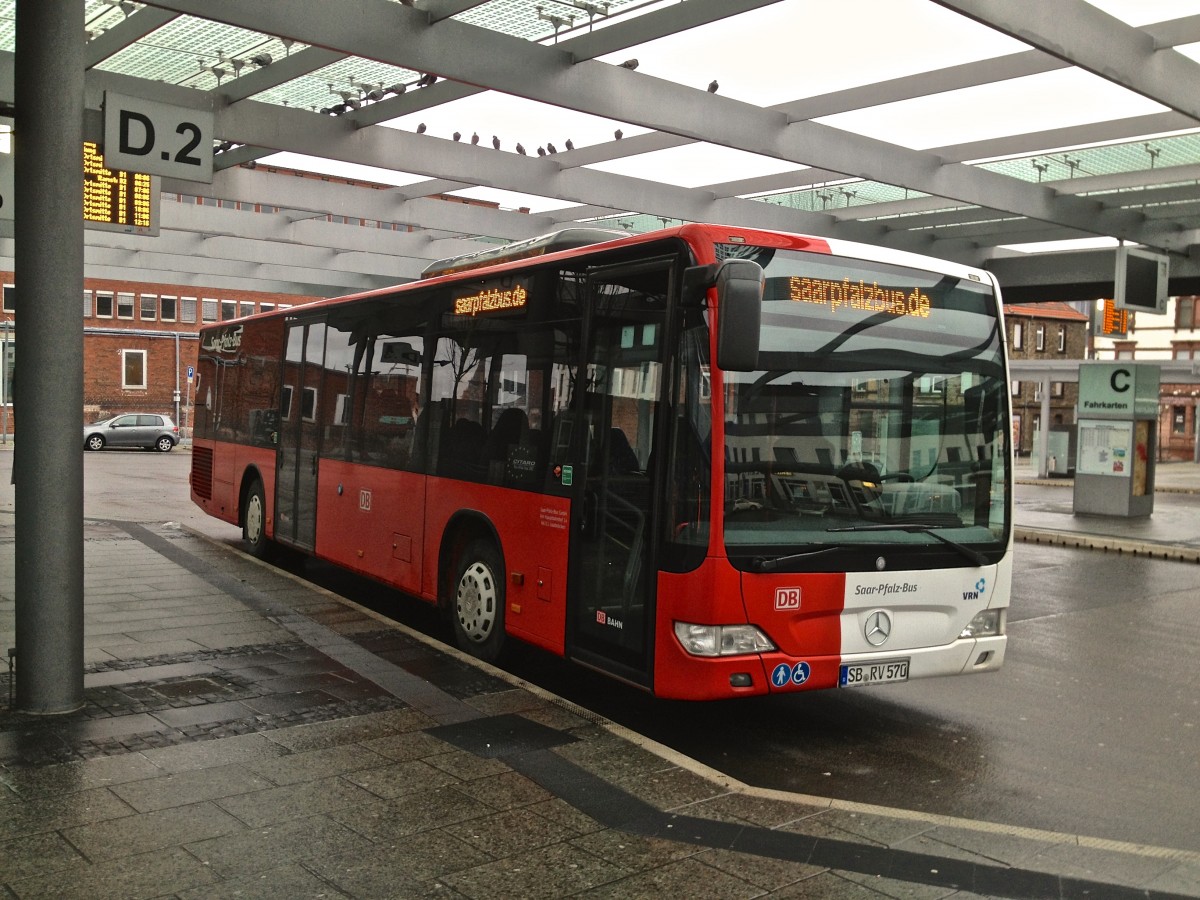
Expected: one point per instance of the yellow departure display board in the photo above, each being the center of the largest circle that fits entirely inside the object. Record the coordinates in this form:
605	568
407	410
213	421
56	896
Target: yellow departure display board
117	200
1113	322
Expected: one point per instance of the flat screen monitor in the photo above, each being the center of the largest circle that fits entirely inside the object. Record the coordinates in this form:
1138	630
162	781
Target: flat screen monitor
1141	280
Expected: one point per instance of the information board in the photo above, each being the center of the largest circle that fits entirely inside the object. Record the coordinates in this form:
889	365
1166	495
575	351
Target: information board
1113	322
116	200
1105	448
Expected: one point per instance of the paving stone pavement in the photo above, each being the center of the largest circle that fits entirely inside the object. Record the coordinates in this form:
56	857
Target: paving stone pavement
245	734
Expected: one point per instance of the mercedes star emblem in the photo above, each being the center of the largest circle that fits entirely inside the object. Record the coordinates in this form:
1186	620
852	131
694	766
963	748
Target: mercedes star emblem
877	628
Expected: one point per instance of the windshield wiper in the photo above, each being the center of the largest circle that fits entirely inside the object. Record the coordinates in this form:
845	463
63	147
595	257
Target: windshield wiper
917	528
770	564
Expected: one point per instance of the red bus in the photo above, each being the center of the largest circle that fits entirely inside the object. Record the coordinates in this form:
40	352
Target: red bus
709	461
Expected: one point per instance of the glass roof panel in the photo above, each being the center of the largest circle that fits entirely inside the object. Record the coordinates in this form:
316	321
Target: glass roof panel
187	50
536	22
1110	159
323	87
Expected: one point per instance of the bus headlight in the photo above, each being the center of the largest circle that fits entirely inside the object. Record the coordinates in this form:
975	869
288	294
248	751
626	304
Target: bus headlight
722	640
988	623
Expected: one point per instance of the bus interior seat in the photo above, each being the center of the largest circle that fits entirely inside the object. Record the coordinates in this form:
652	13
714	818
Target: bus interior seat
460	457
511	426
621	458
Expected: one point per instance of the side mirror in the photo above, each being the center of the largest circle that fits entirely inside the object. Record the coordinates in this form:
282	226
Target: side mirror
740	285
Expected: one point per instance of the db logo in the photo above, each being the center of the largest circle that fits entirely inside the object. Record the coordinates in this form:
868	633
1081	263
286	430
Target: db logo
787	598
601	618
364	501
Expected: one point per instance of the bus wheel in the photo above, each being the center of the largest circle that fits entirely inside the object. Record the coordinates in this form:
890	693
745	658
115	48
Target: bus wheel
477	609
254	522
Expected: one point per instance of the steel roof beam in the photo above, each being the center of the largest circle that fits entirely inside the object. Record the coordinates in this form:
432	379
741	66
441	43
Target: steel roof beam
1085	36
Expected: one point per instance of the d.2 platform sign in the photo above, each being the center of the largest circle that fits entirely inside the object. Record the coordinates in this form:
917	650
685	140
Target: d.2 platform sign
158	138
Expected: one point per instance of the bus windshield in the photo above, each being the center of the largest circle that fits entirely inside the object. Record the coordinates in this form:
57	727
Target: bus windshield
876	421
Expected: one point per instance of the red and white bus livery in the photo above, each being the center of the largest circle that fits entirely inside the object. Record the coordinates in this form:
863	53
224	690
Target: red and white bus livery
709	461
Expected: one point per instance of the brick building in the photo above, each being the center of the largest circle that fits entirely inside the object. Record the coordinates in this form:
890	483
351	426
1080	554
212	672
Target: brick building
139	340
1043	331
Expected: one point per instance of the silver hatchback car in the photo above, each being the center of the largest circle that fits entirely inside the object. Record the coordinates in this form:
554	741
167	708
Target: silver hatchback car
149	430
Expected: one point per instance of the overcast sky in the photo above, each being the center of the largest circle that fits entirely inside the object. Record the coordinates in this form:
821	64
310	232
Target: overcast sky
791	50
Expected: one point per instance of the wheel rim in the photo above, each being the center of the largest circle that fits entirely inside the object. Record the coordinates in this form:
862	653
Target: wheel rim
475	603
254	519
95	443
164	444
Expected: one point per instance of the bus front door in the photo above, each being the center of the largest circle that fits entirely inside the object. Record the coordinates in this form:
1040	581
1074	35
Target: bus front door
299	436
611	596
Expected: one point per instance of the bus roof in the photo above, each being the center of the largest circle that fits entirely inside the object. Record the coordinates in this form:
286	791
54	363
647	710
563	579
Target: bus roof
566	239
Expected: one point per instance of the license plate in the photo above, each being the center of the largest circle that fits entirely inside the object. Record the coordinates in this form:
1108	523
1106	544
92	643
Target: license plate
886	671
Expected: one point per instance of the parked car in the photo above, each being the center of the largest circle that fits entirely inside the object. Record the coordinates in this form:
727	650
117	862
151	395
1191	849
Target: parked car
149	430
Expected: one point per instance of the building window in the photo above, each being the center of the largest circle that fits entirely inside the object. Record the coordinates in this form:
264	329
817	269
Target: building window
1185	313
10	298
308	404
1018	335
1040	337
286	402
169	308
208	310
1056	389
245	309
1185	350
228	310
266	307
124	306
133	369
104	305
149	307
1062	338
1015	388
87	304
187	310
1179	419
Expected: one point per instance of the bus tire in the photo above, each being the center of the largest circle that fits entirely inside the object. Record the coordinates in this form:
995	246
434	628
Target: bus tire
254	522
477	602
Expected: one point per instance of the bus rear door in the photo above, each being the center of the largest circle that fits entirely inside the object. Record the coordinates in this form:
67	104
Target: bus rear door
300	436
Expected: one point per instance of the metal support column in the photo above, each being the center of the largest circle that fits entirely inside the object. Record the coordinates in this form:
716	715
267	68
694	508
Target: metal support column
48	461
1043	436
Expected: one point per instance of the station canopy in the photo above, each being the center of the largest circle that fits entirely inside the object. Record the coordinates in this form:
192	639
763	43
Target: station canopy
984	131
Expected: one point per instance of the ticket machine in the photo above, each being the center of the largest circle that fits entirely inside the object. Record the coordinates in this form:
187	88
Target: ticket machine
1114	467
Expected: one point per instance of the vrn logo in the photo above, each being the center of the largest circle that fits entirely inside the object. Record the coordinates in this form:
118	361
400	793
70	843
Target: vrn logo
977	593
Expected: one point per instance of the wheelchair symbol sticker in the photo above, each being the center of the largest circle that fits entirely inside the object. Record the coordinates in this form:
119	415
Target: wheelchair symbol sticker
783	674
